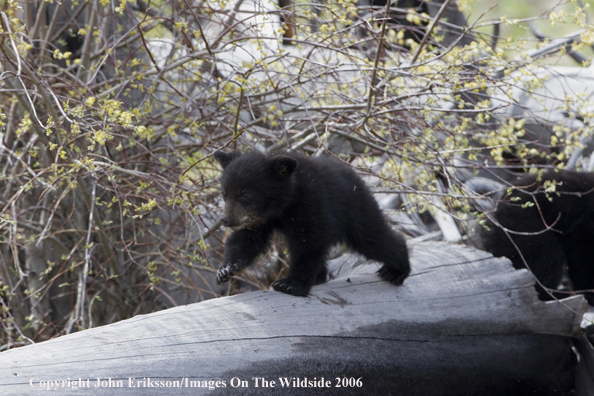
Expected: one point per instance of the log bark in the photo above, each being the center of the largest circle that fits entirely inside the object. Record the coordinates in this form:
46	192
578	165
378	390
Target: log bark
464	323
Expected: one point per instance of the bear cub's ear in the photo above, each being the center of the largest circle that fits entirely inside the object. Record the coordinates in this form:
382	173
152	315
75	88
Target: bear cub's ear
283	166
226	158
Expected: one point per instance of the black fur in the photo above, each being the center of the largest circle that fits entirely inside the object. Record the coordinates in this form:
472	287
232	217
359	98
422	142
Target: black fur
569	241
316	203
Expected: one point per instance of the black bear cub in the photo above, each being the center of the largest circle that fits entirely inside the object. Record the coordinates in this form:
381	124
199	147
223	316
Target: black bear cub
316	203
553	231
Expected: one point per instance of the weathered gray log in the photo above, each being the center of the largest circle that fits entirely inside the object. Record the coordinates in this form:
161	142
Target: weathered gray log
463	323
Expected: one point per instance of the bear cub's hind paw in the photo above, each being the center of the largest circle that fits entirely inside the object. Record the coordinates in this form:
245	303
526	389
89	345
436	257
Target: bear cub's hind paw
391	275
226	272
291	287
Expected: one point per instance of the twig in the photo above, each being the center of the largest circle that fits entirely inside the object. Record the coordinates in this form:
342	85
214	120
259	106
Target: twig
87	255
236	123
429	30
378	54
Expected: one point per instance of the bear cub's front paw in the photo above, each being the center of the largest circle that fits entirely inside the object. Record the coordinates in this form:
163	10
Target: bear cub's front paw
393	276
226	272
291	287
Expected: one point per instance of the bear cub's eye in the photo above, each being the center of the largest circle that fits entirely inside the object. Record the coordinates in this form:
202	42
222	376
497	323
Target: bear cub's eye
244	196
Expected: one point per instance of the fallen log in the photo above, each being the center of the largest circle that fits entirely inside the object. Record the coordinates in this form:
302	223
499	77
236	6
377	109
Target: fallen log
464	323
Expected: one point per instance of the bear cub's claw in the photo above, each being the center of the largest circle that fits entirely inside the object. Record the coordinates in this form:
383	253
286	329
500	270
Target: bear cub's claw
392	276
290	287
226	272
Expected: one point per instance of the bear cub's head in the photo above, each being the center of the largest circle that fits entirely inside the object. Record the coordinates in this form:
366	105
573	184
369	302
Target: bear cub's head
256	188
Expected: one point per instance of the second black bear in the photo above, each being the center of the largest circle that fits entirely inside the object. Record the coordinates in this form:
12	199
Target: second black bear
316	203
552	230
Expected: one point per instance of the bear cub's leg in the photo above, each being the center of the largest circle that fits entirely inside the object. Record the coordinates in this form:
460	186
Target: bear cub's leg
371	236
307	270
241	248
